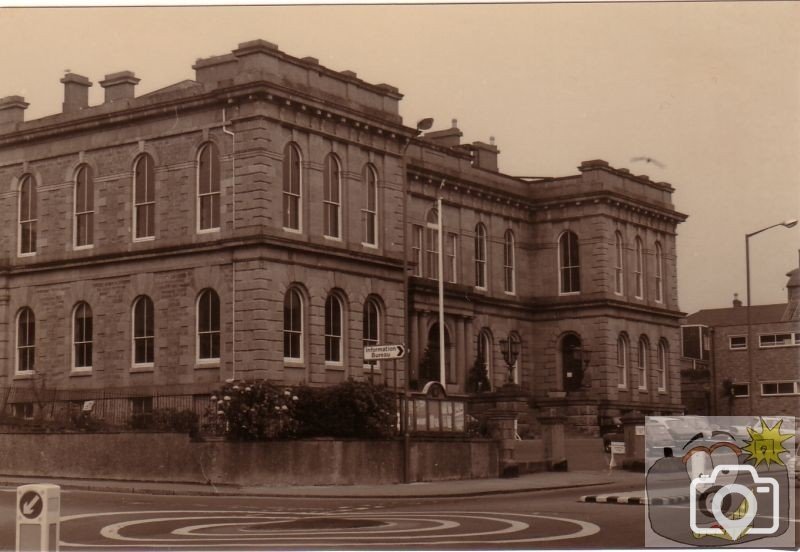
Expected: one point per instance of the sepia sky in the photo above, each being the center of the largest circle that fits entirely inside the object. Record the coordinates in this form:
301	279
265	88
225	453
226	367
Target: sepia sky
710	90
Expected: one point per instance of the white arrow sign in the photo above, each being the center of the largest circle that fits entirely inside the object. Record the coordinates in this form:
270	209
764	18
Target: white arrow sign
28	507
381	352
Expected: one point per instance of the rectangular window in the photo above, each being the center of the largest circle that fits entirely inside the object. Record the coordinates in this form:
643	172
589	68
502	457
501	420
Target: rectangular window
737	342
27	217
291	188
23	411
142	405
208	188
776	340
451	268
431	253
369	213
84	208
779	388
740	389
144	198
416	248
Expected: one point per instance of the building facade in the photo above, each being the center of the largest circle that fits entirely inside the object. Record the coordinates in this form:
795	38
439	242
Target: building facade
745	369
256	222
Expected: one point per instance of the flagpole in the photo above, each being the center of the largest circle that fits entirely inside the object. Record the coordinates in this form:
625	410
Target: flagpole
442	351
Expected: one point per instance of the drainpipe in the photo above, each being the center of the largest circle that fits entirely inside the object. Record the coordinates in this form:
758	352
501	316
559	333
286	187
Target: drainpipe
233	229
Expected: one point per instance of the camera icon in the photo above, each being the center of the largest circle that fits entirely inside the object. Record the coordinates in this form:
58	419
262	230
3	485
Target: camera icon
764	486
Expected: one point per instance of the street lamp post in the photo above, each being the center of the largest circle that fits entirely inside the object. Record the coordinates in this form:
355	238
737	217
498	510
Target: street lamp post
510	350
750	369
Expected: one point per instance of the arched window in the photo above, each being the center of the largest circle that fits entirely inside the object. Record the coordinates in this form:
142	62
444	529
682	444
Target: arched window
369	212
622	361
333	329
638	272
659	273
82	337
27	215
143	331
432	243
572	362
484	356
208	190
508	262
371	330
144	197
644	351
332	190
516	345
26	341
569	263
208	327
480	256
619	265
292	186
293	325
663	365
84	207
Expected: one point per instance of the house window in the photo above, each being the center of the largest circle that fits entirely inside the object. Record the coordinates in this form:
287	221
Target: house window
332	189
663	366
777	340
293	325
208	328
371	330
569	263
416	248
619	266
369	213
27	216
432	244
508	262
638	273
144	199
208	191
737	342
451	247
485	354
291	186
622	362
659	274
82	337
26	341
333	329
143	331
740	389
642	363
779	388
23	410
141	406
480	256
84	207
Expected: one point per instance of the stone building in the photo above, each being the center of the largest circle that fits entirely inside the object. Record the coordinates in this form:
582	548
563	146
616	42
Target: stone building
722	367
252	223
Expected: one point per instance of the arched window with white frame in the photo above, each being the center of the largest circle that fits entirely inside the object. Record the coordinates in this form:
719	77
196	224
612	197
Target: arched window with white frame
144	198
332	197
84	207
208	188
638	272
83	338
484	356
333	329
370	334
509	277
26	341
619	264
642	361
293	325
622	361
143	331
28	215
208	326
569	272
480	256
292	187
663	365
369	211
659	273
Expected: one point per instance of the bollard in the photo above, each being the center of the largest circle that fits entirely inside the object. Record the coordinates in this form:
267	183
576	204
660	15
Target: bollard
38	517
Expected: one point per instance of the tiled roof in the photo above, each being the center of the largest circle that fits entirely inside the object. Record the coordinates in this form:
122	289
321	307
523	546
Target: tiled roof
737	316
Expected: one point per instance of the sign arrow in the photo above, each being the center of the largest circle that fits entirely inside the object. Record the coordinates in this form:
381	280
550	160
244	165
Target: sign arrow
400	351
29	507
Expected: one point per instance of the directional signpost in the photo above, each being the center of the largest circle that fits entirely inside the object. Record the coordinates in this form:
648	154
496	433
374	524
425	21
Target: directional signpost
38	517
384	352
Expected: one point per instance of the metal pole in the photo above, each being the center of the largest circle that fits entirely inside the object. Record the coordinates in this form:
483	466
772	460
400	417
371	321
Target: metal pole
442	351
750	372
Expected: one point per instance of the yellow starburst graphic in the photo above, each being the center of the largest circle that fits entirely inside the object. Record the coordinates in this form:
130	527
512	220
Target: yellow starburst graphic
766	445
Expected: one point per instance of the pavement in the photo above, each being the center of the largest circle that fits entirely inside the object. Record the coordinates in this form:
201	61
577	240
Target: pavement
541	481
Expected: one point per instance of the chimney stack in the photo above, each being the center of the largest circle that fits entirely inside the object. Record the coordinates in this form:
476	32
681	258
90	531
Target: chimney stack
449	137
736	301
76	92
12	111
484	156
119	86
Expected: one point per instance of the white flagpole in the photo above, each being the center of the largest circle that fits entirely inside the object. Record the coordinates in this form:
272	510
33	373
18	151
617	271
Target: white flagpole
442	351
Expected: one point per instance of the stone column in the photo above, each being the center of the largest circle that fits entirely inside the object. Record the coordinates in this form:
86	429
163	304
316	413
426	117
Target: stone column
461	360
414	344
469	350
634	444
555	451
422	340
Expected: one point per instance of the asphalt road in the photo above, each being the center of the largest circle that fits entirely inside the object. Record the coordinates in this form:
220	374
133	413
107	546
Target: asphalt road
543	519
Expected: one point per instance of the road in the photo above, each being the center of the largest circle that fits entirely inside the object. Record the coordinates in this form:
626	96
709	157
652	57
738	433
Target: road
541	519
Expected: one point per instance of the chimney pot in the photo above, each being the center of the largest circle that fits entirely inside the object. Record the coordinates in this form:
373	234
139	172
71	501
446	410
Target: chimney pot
454	123
119	86
736	301
76	92
12	110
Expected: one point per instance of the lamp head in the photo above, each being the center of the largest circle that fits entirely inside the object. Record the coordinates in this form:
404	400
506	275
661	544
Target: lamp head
791	223
425	124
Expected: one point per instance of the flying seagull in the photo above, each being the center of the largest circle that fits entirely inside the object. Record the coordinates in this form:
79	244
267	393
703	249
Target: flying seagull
649	160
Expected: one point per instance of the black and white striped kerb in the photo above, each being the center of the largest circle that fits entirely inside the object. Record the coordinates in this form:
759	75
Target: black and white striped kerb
632	499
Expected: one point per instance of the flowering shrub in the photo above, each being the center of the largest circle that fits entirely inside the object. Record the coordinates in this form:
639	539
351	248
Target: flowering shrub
262	410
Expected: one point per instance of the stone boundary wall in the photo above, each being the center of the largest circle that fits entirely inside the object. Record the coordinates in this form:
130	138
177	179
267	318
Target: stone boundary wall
169	457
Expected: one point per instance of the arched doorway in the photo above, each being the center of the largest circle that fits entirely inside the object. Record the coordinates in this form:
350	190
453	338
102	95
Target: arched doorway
571	363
